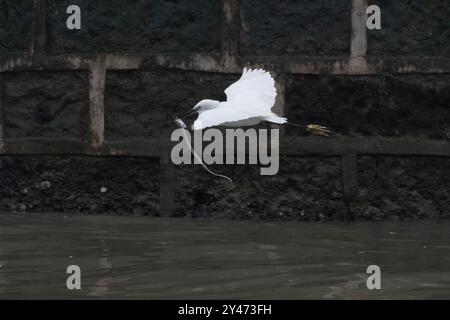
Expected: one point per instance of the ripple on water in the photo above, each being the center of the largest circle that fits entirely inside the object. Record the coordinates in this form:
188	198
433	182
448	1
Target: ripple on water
139	257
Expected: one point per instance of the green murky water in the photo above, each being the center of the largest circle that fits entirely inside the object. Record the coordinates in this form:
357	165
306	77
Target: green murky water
150	258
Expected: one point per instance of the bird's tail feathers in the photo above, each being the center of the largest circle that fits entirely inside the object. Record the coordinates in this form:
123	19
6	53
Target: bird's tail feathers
276	119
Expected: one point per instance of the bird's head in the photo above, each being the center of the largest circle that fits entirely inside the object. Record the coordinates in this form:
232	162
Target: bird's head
200	107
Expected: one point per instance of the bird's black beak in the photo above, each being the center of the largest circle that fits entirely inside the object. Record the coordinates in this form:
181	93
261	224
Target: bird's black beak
187	113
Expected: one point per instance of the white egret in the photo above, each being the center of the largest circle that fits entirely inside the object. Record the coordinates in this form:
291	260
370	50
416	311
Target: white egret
249	102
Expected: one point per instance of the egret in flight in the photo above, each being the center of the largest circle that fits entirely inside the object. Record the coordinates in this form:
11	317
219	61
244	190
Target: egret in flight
249	102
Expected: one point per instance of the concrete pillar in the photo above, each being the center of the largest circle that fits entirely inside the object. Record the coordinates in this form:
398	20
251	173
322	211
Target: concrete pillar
358	48
97	78
231	29
37	44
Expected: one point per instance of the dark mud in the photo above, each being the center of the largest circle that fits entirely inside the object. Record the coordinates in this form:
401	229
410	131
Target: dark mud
308	189
85	185
403	188
305	189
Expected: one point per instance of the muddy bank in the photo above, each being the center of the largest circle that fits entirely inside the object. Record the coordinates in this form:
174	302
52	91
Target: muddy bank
403	188
305	189
85	185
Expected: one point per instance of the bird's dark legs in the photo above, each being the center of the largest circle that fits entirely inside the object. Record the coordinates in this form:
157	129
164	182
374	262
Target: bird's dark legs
318	130
313	128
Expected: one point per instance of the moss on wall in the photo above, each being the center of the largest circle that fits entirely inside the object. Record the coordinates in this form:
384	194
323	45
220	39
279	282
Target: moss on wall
136	26
382	105
15	25
46	104
411	28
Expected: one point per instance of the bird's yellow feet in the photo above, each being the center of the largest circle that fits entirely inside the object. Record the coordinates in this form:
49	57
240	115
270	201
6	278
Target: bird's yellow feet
318	130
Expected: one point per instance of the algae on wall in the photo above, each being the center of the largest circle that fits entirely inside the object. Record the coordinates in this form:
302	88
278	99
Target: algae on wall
15	25
411	28
117	26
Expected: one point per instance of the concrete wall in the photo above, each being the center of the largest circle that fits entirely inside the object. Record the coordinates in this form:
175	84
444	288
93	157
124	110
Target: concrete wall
92	109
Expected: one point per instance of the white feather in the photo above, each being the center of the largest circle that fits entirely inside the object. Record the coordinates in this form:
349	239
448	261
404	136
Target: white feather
255	89
251	97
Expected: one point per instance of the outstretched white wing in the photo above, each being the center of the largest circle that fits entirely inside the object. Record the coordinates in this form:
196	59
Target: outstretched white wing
224	113
255	91
252	96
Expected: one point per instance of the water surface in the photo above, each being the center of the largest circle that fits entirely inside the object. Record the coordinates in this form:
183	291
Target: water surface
155	258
